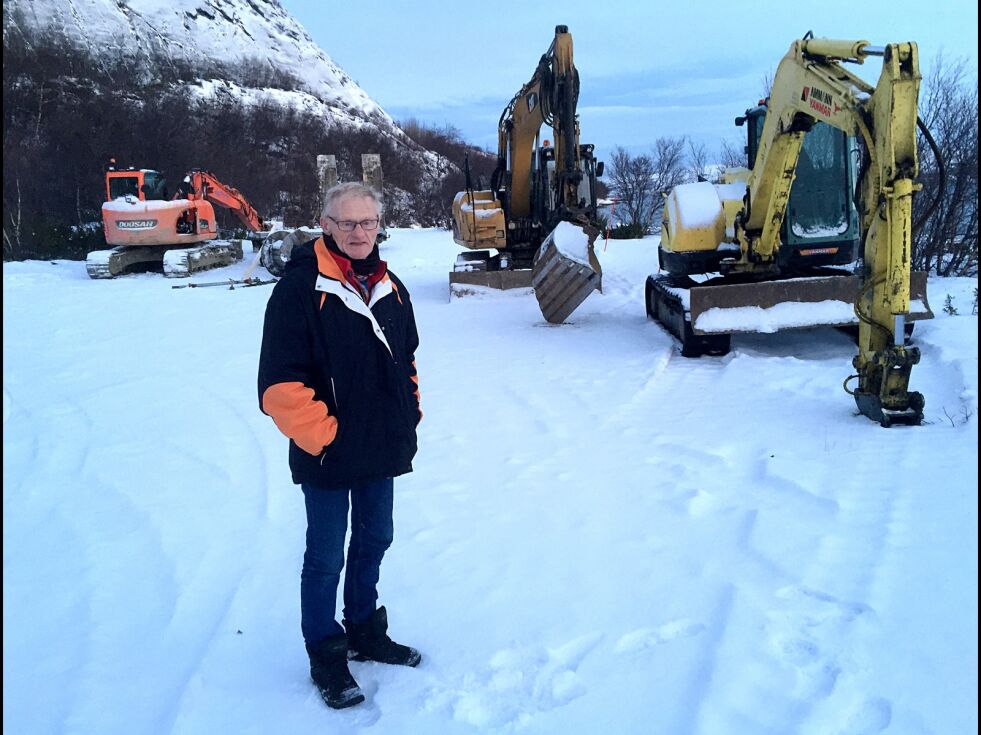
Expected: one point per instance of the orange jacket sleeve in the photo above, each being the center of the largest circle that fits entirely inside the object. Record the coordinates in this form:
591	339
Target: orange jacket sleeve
300	417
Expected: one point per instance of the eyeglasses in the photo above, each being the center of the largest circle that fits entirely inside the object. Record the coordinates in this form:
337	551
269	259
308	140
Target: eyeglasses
348	225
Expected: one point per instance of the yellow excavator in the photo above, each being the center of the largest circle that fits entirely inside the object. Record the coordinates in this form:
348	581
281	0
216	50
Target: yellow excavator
735	227
540	212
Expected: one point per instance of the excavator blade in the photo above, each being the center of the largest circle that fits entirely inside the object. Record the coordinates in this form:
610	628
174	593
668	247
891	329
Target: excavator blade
566	270
793	303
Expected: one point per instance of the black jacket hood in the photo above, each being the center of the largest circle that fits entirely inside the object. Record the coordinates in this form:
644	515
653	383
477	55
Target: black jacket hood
303	256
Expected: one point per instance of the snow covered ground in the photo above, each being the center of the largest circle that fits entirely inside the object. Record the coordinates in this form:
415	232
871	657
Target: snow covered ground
600	535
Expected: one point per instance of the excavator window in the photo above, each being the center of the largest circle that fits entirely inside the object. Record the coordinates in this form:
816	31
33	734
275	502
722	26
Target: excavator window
154	186
121	186
819	205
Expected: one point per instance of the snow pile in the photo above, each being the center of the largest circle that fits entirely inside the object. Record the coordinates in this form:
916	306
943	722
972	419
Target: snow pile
786	315
600	536
820	232
697	204
571	241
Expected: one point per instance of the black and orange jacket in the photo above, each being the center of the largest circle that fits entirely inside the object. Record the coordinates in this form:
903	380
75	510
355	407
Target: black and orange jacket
337	373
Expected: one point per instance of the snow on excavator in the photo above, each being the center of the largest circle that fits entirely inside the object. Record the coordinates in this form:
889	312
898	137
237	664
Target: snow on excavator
766	282
540	212
148	230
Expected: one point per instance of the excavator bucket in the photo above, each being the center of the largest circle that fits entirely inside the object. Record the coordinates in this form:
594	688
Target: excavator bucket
566	270
792	303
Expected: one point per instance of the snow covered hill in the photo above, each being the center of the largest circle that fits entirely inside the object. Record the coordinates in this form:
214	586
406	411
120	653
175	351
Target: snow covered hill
254	32
600	535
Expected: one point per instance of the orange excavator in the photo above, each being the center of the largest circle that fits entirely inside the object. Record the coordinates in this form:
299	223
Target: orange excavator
147	230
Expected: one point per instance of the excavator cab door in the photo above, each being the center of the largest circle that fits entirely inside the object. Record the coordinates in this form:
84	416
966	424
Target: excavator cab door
821	226
591	170
154	186
123	184
543	183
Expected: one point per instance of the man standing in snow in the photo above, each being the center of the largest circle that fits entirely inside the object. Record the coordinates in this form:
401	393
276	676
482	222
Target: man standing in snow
337	375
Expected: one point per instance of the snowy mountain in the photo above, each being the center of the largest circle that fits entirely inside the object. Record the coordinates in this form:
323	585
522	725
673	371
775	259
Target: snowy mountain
258	33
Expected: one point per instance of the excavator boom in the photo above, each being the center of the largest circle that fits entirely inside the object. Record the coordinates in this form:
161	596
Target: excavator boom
204	185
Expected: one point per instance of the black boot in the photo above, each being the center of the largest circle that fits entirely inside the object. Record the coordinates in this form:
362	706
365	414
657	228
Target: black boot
328	669
369	641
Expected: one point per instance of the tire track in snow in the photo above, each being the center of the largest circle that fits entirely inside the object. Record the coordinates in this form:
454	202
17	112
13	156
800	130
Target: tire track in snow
813	623
851	562
684	397
671	415
74	532
164	596
209	633
644	398
37	550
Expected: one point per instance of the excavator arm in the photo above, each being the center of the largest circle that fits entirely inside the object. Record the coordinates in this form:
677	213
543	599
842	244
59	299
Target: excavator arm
200	184
549	98
811	84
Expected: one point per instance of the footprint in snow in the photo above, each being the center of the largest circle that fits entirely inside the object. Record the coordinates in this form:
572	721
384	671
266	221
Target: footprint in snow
644	638
517	684
804	634
870	716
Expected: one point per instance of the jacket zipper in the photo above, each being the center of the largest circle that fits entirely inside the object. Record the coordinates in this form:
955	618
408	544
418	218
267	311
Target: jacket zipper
333	392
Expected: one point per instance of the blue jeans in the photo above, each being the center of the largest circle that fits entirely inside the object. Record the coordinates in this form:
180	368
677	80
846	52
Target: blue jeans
372	530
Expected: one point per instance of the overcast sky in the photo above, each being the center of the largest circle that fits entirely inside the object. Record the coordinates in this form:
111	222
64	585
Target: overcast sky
647	69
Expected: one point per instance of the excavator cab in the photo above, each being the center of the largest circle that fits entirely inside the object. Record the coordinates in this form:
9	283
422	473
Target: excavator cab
821	225
144	184
545	189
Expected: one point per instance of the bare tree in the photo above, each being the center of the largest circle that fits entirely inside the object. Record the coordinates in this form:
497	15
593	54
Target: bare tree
632	184
638	181
11	236
429	201
767	83
698	161
732	153
946	240
669	171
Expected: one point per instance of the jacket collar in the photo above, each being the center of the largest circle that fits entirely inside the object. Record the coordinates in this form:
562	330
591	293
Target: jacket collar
332	264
